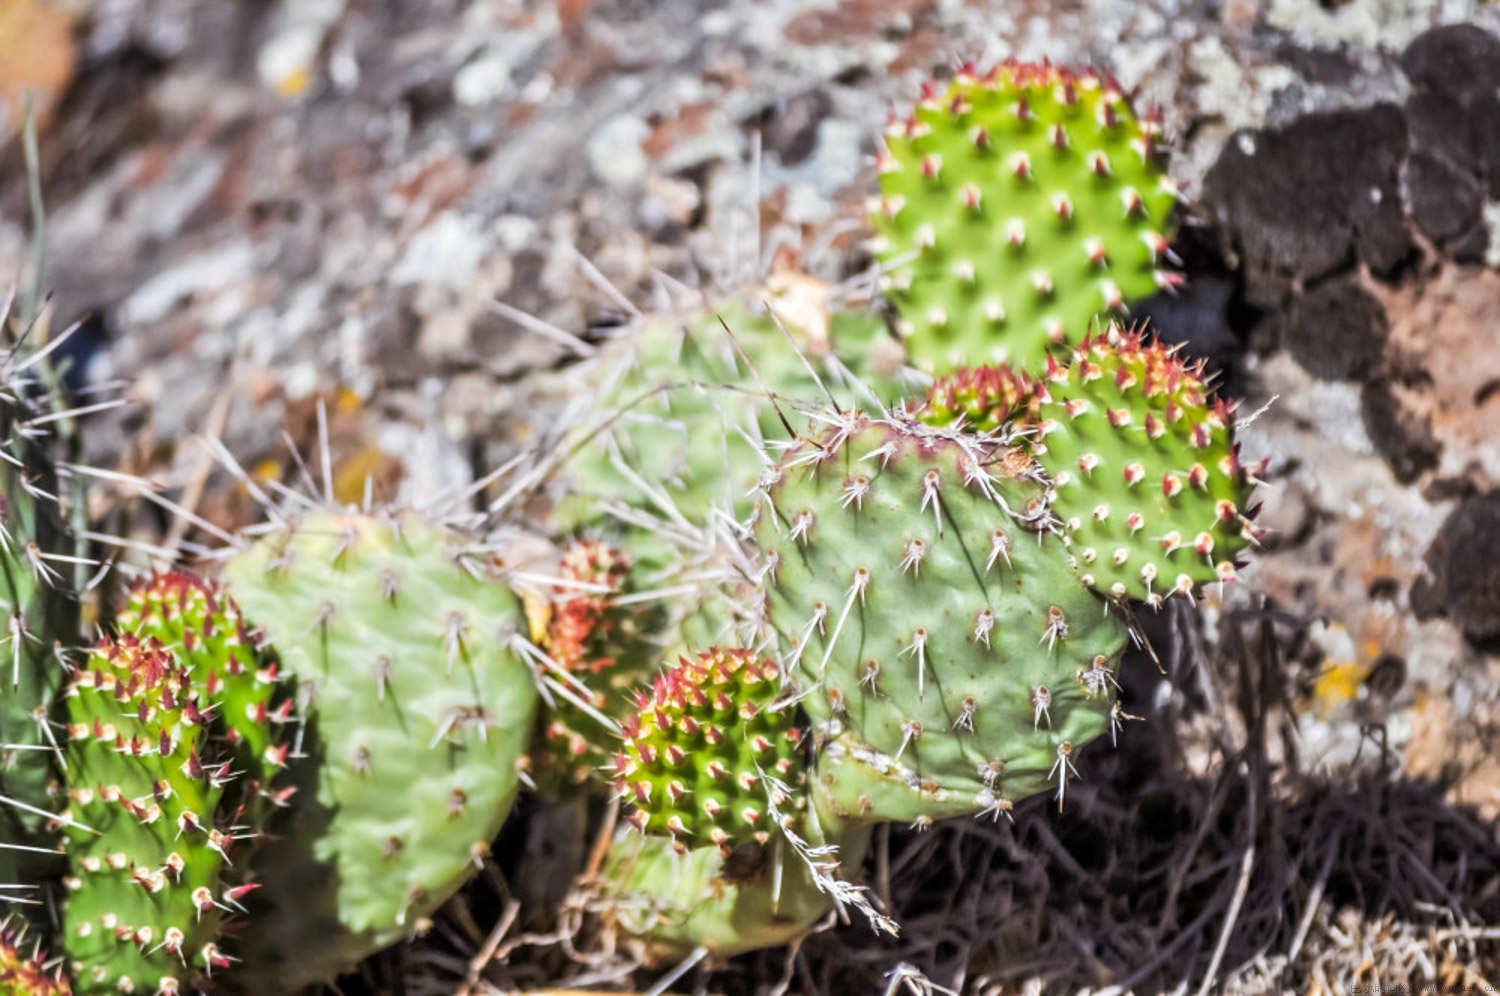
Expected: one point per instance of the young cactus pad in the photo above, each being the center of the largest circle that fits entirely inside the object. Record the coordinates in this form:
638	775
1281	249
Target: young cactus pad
589	634
695	754
145	851
1147	479
23	971
1016	207
419	711
199	622
951	660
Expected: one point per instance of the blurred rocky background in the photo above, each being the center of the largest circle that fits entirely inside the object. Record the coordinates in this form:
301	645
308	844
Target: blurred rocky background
254	205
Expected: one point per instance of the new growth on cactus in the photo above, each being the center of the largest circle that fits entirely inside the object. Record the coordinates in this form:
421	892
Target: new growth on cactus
23	970
951	662
201	623
148	843
696	752
1015	207
1146	479
589	633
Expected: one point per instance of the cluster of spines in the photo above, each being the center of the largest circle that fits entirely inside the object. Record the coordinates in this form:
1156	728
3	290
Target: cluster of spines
148	844
1016	205
705	752
1146	481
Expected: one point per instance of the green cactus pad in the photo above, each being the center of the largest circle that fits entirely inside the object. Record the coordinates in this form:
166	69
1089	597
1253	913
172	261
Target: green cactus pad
198	621
1147	479
23	970
419	713
682	413
38	616
146	849
679	901
951	662
1016	207
695	753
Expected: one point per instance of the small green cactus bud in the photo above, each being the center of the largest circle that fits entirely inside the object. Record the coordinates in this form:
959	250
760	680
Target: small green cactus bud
695	754
1017	206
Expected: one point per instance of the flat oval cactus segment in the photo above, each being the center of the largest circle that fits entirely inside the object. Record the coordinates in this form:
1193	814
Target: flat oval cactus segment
403	645
708	751
931	618
1016	207
1147	479
147	843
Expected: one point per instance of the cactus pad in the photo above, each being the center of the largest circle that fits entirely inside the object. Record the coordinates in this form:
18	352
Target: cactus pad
678	901
419	709
951	661
695	752
1016	207
147	846
1147	479
199	622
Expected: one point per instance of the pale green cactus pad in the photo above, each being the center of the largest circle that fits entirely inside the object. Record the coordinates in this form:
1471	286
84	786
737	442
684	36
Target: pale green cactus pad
951	662
1018	206
420	709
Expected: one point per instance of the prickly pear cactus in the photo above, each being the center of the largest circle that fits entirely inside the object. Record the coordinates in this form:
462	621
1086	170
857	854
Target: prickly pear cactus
695	756
419	710
199	622
1017	206
38	613
982	399
147	843
676	902
951	662
23	969
1147	478
682	413
588	632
